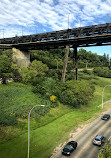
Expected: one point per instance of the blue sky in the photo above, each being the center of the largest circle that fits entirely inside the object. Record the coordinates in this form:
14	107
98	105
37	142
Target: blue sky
19	17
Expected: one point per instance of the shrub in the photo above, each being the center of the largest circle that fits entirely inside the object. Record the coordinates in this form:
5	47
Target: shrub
6	119
36	69
76	93
53	98
105	152
89	72
71	92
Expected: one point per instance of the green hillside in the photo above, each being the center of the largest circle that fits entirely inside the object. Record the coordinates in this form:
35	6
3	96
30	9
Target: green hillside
49	127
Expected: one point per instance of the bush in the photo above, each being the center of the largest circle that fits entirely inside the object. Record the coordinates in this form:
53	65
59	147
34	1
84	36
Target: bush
71	92
53	98
105	152
89	72
7	120
47	86
54	73
102	72
76	93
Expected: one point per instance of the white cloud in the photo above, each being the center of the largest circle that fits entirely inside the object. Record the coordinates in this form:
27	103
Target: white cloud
47	15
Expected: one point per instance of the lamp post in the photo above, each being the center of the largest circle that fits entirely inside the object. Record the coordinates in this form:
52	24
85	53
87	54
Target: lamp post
29	127
103	94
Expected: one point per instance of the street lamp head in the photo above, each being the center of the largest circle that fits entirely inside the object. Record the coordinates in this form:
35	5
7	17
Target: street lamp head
42	105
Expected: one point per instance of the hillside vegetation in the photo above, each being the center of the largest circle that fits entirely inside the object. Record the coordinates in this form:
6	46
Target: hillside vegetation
67	105
50	129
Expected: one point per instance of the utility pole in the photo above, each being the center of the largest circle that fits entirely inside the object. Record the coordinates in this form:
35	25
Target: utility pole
3	33
22	30
36	30
68	21
79	23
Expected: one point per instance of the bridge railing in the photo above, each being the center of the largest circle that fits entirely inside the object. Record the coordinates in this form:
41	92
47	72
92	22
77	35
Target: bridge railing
100	29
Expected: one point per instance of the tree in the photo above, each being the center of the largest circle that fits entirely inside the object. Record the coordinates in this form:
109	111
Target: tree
15	71
37	68
5	66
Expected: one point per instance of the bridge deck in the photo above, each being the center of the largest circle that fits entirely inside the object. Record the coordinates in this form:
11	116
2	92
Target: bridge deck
95	35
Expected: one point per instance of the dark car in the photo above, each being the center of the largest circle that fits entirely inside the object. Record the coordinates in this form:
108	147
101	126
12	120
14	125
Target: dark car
99	140
69	147
105	117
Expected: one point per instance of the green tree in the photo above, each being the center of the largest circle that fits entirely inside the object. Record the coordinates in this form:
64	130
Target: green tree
36	69
5	65
15	71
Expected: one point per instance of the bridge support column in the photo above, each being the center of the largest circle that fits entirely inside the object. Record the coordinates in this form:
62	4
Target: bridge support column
65	64
21	58
75	61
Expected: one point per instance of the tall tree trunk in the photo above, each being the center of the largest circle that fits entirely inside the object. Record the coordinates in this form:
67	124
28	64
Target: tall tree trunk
65	64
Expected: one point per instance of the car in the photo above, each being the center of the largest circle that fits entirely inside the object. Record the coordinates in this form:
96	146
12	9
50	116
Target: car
69	147
105	117
99	140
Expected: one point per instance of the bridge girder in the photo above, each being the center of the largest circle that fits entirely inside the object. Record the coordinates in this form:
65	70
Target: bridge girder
81	37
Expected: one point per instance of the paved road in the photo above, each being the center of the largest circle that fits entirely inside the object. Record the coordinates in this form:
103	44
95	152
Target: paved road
85	147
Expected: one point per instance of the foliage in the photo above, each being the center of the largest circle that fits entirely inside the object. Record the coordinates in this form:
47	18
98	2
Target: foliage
53	98
105	152
87	58
5	66
89	72
37	68
6	119
76	93
53	58
47	86
17	99
71	93
53	128
102	72
15	71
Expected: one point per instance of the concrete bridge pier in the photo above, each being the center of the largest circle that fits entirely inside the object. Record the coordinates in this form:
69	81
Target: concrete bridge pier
21	58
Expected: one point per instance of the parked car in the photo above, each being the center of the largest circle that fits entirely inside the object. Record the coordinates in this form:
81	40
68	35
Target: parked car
99	140
105	117
69	147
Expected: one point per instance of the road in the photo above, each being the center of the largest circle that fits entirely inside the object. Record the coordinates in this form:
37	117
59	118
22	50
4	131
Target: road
84	138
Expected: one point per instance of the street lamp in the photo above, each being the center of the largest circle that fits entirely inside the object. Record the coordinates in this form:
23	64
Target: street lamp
103	94
29	127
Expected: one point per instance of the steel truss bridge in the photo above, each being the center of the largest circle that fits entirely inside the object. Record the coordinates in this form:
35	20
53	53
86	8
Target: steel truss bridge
95	35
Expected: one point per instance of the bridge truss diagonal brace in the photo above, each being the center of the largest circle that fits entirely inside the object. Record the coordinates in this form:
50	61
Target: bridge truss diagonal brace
65	63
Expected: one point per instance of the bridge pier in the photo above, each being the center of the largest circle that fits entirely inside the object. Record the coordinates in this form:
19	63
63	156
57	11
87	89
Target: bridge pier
75	61
21	58
65	64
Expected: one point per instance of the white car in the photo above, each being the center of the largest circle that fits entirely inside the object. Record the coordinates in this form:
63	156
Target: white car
98	140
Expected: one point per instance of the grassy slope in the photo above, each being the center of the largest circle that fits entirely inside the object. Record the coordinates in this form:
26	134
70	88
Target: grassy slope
58	123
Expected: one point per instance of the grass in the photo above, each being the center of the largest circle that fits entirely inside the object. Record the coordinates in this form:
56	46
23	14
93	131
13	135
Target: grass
53	128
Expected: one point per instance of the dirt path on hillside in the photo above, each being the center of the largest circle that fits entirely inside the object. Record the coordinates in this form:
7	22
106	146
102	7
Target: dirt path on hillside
81	128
